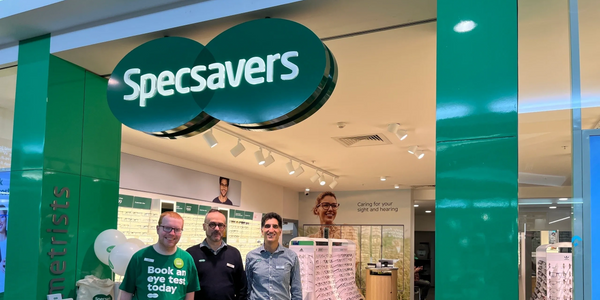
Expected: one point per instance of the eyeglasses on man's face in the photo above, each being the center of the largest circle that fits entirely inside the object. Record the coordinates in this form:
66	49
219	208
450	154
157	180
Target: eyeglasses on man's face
213	225
326	205
168	229
275	226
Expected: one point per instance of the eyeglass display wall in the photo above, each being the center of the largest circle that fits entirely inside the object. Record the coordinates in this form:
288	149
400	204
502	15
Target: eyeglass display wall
137	218
374	242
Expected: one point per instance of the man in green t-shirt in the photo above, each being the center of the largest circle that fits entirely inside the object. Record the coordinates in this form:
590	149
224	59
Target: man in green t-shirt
162	271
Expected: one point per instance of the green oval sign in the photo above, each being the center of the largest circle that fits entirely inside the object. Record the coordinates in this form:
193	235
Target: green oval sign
264	74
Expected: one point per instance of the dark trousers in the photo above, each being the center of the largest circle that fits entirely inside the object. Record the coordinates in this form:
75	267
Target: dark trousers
424	286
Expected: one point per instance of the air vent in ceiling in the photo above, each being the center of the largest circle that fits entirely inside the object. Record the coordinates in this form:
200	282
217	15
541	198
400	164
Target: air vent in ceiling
363	140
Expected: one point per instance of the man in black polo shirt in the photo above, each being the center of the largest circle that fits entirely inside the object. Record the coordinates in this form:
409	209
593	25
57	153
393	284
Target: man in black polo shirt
220	269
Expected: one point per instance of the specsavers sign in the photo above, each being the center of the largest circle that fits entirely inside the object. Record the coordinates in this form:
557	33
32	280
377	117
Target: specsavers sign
264	74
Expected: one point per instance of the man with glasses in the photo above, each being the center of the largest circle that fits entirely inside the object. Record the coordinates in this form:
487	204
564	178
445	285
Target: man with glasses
273	271
220	268
162	271
223	190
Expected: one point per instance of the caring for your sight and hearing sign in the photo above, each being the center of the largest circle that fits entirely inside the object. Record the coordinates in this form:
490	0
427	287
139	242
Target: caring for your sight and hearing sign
264	74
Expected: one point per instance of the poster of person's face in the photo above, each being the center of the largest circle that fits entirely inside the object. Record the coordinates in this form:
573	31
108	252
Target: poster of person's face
229	192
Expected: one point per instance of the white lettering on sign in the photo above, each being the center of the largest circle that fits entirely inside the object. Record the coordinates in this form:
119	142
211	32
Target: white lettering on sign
254	70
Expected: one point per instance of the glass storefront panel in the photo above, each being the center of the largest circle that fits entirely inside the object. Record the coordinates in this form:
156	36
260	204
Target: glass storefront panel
546	173
8	83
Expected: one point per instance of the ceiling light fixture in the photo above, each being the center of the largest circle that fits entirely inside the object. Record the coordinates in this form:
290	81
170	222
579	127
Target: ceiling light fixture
383	178
290	167
334	183
260	159
395	129
416	205
427	211
322	180
315	177
552	207
419	154
210	139
563	199
269	160
412	149
299	170
396	186
238	149
552	222
307	190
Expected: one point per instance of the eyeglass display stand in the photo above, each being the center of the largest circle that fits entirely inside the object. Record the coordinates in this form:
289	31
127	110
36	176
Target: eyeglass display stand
554	277
327	268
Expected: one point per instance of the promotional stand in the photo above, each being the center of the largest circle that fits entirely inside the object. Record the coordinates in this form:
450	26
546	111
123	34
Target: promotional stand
327	268
554	277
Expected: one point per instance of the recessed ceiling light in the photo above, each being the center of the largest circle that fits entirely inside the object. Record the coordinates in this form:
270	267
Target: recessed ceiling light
427	211
396	186
307	190
383	178
563	199
552	207
416	205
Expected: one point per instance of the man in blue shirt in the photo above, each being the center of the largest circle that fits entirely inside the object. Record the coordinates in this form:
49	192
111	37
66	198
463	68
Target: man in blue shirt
273	271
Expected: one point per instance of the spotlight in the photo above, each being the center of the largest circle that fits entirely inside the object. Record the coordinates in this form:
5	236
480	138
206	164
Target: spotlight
395	129
333	184
269	160
401	134
299	171
419	154
383	178
260	159
416	205
396	186
412	149
306	191
290	167
238	149
427	211
210	139
322	180
315	177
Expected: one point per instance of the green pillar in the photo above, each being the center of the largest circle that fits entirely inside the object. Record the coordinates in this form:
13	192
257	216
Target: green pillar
476	151
64	175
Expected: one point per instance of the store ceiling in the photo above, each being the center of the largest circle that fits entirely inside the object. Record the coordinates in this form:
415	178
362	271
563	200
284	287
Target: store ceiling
389	77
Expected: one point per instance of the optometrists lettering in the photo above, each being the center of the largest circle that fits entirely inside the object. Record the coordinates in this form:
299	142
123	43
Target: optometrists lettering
59	238
376	206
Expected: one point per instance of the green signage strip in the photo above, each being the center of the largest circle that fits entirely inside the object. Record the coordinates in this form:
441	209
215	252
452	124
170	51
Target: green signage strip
180	207
239	214
142	203
248	215
232	213
191	209
203	210
264	74
125	201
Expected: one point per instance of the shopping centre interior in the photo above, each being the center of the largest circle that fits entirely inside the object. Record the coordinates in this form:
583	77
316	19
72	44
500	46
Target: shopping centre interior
386	54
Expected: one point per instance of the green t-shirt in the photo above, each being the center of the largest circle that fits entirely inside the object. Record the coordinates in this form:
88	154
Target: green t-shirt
151	275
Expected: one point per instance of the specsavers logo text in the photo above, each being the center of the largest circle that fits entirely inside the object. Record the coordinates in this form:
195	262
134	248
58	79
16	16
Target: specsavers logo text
265	74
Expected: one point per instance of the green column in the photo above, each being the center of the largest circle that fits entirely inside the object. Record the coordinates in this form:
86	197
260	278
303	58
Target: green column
64	175
477	150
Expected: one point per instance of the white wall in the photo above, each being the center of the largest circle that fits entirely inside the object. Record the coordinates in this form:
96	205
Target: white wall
257	195
425	223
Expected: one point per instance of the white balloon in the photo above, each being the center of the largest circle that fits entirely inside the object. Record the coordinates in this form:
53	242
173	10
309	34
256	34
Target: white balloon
138	242
120	256
106	241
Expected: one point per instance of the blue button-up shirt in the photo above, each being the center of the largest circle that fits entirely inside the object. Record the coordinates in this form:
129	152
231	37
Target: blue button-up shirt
273	276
